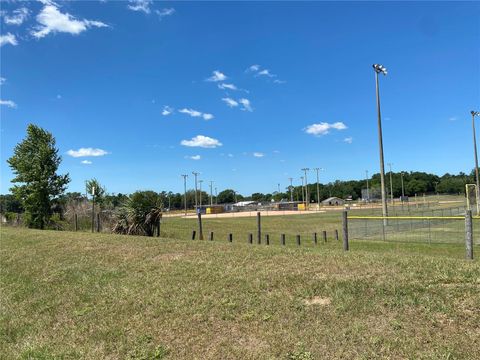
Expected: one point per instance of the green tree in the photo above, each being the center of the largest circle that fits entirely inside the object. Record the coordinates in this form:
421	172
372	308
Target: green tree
100	190
34	164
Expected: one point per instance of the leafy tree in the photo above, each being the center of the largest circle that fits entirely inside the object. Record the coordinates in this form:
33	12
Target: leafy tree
35	163
226	196
9	203
100	190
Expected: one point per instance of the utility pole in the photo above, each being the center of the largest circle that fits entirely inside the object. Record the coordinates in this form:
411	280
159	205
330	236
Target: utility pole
93	208
200	182
318	187
391	183
216	196
211	193
307	203
477	193
196	200
185	176
403	188
368	193
303	198
291	189
381	69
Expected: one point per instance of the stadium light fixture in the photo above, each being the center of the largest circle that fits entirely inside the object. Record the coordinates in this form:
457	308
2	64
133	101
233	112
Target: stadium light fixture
381	69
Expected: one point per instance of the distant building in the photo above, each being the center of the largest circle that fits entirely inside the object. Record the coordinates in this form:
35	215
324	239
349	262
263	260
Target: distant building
333	201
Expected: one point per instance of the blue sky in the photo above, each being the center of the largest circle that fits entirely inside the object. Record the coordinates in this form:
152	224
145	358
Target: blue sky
102	76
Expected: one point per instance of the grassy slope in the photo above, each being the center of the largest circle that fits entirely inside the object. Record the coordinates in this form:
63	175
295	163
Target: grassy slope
75	295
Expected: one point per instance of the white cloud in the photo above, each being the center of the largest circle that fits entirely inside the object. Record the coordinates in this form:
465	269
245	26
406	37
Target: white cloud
51	20
348	140
18	16
258	154
230	102
246	104
196	113
230	155
453	118
165	12
8	38
324	128
227	86
167	110
140	5
217	76
201	141
2	80
277	81
8	103
193	157
253	68
86	162
265	72
85	152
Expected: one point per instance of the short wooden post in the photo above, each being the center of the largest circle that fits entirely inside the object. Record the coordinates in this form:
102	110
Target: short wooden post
315	241
345	230
469	235
250	238
267	239
324	234
282	239
75	222
230	237
336	234
159	224
259	228
200	228
193	234
211	235
298	240
98	222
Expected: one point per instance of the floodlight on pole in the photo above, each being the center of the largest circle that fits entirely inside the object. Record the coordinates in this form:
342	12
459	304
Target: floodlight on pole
303	198
318	187
200	193
476	113
216	196
381	69
185	176
306	188
291	189
211	193
196	199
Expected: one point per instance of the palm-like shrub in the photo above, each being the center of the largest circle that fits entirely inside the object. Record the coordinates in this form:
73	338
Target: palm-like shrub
139	215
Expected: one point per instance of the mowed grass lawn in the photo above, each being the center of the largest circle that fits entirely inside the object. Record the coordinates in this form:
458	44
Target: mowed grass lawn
68	295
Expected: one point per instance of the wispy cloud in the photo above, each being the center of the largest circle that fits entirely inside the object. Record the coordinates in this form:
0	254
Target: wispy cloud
230	102
87	152
453	118
246	106
2	80
51	20
253	68
193	157
217	76
265	72
196	113
324	128
86	162
8	38
140	5
277	81
18	16
348	140
201	141
258	71
165	12
167	110
227	86
258	154
8	103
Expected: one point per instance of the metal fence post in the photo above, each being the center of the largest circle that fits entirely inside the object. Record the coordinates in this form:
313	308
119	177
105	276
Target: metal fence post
200	228
282	239
469	235
259	228
345	230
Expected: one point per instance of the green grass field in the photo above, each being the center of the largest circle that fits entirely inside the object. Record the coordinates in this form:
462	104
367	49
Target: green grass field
68	295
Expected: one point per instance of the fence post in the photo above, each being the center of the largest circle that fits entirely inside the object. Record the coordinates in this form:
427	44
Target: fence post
469	235
211	235
298	240
315	238
336	234
75	222
345	230
267	239
259	228
193	234
98	222
324	236
200	228
230	237
159	225
282	239
250	238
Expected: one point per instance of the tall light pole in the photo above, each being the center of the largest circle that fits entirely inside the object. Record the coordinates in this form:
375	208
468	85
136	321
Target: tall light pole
211	193
391	182
368	193
196	200
403	187
381	69
185	176
200	182
477	193
216	196
318	187
93	208
303	199
291	189
307	203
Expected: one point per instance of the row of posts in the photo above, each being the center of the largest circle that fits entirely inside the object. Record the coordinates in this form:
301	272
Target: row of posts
96	225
